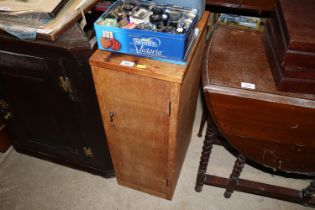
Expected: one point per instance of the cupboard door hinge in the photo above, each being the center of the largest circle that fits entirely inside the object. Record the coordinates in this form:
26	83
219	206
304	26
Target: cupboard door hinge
111	119
65	84
169	108
167	182
88	152
5	114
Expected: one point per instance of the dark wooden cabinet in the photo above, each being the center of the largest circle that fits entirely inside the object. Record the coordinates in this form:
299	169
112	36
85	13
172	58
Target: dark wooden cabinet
52	102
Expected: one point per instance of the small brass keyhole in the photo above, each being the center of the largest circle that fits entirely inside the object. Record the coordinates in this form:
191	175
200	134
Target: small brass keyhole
111	116
111	119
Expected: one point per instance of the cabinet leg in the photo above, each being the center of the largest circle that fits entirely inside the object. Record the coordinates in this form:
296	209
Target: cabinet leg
205	155
234	177
308	192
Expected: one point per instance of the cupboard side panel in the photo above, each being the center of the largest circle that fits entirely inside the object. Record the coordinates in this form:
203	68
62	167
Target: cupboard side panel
187	107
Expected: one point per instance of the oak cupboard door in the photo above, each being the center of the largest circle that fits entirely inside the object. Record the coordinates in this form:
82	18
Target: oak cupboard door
148	111
136	112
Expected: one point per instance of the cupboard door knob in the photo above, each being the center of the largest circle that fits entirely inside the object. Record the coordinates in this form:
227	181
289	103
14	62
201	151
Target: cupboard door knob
7	116
3	105
4	113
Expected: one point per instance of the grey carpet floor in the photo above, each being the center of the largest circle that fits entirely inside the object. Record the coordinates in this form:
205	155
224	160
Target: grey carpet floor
28	183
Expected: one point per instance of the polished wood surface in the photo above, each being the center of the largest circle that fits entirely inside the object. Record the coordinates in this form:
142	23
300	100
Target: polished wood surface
299	17
241	65
271	127
292	70
262	5
148	114
280	40
289	42
225	3
258	122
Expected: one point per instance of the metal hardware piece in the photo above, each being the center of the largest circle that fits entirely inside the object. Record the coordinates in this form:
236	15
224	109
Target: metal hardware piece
7	116
167	182
111	116
88	152
169	108
4	110
65	84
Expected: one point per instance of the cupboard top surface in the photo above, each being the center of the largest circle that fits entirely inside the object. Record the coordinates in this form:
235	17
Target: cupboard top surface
236	56
148	67
72	39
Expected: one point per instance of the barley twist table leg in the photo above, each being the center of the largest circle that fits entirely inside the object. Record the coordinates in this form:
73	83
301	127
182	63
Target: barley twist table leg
205	155
234	177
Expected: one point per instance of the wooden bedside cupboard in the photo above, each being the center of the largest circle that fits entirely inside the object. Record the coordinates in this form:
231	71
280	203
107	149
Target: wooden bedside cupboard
148	112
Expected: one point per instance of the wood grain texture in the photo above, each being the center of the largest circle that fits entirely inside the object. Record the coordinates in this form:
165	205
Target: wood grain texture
260	5
136	133
278	135
280	39
263	5
291	54
188	94
152	115
271	127
225	3
235	66
290	77
153	68
299	18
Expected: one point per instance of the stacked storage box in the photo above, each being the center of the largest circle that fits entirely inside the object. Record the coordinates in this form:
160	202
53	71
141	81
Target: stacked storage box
148	28
290	44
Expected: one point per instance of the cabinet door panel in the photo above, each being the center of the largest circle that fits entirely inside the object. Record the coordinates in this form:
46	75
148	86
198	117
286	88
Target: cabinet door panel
38	103
136	114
